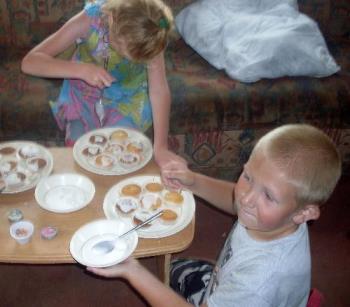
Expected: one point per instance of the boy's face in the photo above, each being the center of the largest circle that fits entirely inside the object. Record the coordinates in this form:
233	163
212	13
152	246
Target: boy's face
265	201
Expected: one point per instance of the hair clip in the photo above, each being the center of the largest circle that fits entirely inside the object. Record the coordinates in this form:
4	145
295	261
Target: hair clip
163	23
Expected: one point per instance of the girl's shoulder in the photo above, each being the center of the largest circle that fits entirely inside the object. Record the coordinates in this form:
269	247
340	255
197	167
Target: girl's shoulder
93	8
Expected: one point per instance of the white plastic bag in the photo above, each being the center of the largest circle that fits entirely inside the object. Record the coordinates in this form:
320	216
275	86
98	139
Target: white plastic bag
254	39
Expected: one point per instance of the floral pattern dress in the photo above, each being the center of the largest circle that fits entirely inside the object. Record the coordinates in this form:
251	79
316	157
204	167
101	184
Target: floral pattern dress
126	101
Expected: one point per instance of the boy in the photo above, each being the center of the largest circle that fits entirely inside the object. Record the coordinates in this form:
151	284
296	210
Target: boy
266	258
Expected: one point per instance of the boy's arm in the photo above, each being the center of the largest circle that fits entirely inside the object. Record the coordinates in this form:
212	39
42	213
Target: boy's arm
217	192
155	292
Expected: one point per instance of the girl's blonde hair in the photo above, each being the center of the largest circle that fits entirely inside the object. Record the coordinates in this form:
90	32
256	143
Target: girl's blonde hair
310	160
144	26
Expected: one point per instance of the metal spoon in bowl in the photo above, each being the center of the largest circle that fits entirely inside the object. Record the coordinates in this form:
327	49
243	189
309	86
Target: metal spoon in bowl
105	247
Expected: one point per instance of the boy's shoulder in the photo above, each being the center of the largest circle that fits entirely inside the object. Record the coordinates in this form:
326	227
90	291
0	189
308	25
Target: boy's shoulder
275	255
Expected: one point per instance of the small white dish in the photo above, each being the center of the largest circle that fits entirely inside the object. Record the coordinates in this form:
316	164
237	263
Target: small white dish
22	231
100	230
64	193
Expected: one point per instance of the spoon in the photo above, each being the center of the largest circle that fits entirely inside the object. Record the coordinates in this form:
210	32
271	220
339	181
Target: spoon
105	247
99	107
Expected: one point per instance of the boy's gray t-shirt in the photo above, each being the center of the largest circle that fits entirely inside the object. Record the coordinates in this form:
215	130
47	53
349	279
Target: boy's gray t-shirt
255	273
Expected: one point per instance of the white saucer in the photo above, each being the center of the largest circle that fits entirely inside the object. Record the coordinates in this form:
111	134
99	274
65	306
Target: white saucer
64	193
89	234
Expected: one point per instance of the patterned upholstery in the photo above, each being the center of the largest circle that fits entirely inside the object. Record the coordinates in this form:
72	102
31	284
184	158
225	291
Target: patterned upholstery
215	120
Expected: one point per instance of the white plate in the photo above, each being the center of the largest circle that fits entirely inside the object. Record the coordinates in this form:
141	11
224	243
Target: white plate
64	193
16	169
157	229
89	234
111	163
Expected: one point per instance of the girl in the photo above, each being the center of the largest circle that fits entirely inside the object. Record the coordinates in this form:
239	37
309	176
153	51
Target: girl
119	58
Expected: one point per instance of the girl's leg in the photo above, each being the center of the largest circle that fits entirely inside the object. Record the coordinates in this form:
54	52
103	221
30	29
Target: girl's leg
190	278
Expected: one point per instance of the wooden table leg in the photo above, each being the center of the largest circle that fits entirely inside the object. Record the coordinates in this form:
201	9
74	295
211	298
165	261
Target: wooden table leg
163	265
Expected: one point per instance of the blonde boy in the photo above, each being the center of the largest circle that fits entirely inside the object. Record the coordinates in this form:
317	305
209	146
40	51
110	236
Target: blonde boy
266	258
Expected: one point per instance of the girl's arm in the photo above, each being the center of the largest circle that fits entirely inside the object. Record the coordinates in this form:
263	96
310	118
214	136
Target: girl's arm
160	100
41	60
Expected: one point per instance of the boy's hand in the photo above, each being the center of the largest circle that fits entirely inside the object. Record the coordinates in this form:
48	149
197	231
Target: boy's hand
95	75
176	174
118	270
165	157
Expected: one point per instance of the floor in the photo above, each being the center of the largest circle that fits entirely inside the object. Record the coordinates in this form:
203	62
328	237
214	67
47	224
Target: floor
69	285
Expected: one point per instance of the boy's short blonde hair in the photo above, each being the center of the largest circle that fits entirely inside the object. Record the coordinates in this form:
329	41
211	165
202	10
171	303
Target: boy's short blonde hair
144	25
309	157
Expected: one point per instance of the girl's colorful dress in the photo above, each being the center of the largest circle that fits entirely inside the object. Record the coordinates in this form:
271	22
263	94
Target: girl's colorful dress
126	101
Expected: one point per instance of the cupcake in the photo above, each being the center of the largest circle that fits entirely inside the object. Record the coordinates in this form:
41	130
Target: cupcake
118	135
133	190
168	217
104	161
150	202
91	151
2	184
125	206
8	166
7	150
172	197
129	159
15	179
36	164
98	139
135	147
115	149
28	151
154	187
141	216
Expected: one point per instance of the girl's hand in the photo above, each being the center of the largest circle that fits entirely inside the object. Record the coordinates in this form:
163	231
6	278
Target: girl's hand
95	75
118	270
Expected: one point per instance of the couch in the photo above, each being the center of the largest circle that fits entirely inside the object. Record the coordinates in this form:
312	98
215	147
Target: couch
215	120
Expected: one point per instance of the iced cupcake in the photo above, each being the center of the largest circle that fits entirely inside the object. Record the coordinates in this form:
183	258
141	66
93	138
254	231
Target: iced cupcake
28	151
36	164
140	216
104	161
135	147
129	159
150	202
98	139
125	206
91	151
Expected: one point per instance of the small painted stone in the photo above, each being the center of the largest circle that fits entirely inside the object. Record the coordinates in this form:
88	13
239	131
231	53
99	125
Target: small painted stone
15	215
48	232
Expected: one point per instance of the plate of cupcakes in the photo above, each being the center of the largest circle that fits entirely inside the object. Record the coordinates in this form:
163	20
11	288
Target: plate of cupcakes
22	165
137	198
113	151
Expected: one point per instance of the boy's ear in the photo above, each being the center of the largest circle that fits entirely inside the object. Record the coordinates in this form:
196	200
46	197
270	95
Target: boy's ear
307	213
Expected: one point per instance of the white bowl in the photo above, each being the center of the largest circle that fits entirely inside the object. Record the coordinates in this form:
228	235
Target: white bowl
22	231
99	230
64	193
